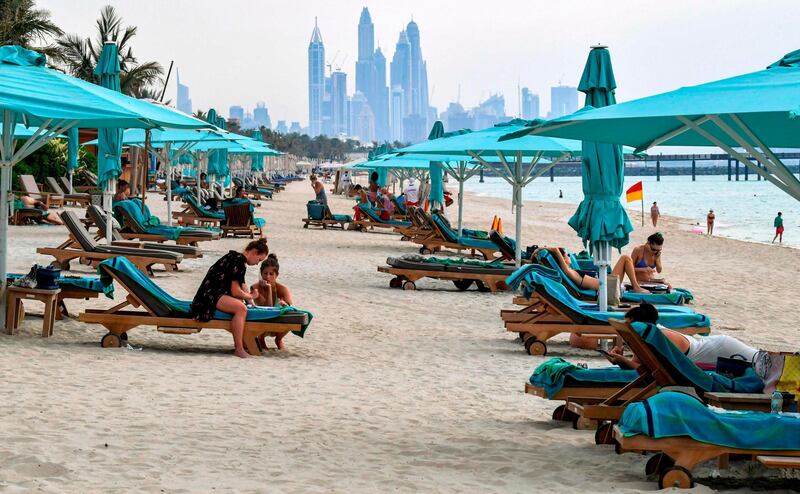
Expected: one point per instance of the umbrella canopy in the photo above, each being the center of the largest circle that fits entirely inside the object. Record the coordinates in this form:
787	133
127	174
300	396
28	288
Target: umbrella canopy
754	112
109	146
600	217
32	94
436	194
518	161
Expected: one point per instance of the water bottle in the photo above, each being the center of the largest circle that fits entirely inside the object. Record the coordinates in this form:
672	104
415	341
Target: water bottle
777	402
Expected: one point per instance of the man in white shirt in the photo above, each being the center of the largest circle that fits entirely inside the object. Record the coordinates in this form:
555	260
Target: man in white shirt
411	192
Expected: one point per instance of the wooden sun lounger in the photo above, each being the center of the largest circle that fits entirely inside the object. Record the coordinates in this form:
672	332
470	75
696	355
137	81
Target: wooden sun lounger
239	222
190	216
407	278
97	217
77	188
80	245
652	376
31	188
679	455
437	241
119	321
326	222
134	231
541	320
76	199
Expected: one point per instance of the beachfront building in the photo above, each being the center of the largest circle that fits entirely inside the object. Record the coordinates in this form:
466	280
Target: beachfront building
529	103
184	101
316	81
563	101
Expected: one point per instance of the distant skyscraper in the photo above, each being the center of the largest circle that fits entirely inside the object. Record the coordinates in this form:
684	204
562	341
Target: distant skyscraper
400	76
295	128
371	75
415	128
236	112
184	102
339	102
490	112
261	116
418	90
365	124
396	113
530	104
563	101
456	118
380	103
281	128
357	102
316	81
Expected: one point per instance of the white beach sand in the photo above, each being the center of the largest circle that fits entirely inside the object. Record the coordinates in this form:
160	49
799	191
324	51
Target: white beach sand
389	391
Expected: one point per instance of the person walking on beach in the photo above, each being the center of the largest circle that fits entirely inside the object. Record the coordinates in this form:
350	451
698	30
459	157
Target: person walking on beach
778	224
654	214
710	222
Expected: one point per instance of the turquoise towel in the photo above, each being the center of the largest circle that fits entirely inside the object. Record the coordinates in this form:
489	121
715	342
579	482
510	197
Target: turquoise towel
133	208
200	210
374	216
181	307
91	283
672	414
552	374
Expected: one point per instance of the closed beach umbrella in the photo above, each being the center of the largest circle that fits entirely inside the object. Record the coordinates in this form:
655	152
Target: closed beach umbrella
109	145
600	220
72	155
436	196
213	155
33	95
256	160
746	115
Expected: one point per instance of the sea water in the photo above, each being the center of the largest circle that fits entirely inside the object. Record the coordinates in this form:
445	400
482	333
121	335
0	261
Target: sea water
744	210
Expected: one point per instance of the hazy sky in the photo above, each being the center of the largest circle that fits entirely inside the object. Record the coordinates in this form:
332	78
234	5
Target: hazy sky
243	51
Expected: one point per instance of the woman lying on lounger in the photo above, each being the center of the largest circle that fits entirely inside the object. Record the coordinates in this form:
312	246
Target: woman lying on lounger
271	293
623	267
700	349
224	289
47	216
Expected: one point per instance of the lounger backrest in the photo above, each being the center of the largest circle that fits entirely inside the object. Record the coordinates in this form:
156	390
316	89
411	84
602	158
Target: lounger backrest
367	209
238	215
99	218
665	361
131	215
152	296
65	183
77	230
51	182
508	250
444	229
556	295
29	185
90	177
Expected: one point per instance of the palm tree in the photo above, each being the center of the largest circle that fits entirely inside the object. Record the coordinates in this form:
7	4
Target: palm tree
79	55
21	23
200	114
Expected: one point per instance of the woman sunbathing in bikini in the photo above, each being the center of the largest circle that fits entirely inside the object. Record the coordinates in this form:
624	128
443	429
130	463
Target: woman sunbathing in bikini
623	267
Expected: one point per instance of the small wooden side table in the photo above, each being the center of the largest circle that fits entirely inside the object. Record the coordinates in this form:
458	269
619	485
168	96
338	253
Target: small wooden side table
14	308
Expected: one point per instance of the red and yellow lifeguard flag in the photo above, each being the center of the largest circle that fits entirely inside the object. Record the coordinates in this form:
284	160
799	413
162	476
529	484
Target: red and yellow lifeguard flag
635	193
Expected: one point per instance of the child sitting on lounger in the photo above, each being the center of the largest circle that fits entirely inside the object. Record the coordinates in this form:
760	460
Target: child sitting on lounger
271	293
699	349
359	191
388	205
224	289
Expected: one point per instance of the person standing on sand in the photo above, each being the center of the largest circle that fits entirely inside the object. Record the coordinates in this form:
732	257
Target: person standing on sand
654	214
778	224
411	192
319	190
710	217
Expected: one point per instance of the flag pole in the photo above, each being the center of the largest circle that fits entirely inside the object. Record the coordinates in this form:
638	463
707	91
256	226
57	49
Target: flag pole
643	206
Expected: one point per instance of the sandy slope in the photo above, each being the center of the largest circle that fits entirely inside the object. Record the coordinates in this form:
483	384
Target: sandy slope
389	391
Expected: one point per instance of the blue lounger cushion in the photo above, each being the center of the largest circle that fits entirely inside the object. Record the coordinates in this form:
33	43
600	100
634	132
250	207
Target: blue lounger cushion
672	414
555	373
374	216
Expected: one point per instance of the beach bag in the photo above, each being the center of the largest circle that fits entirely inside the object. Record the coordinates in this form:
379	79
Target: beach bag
316	210
732	367
612	289
779	371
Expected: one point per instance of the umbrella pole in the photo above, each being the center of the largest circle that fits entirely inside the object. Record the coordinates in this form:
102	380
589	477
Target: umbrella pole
518	232
145	166
169	183
108	198
603	255
460	208
5	185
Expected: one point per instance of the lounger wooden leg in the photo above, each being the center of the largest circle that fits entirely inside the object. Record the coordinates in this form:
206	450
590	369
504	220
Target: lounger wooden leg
49	316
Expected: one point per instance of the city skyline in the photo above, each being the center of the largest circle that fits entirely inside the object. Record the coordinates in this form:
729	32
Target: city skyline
271	40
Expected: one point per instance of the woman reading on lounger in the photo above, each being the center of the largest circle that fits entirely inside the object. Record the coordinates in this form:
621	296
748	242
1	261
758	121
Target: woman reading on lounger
224	289
699	349
647	259
623	267
271	293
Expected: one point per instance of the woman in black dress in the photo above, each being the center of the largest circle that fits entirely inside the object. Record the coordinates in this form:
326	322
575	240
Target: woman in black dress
224	289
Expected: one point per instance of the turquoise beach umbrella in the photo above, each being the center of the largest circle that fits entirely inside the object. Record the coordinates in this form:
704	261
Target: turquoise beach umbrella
256	160
222	164
213	167
436	195
72	154
746	116
600	218
109	147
